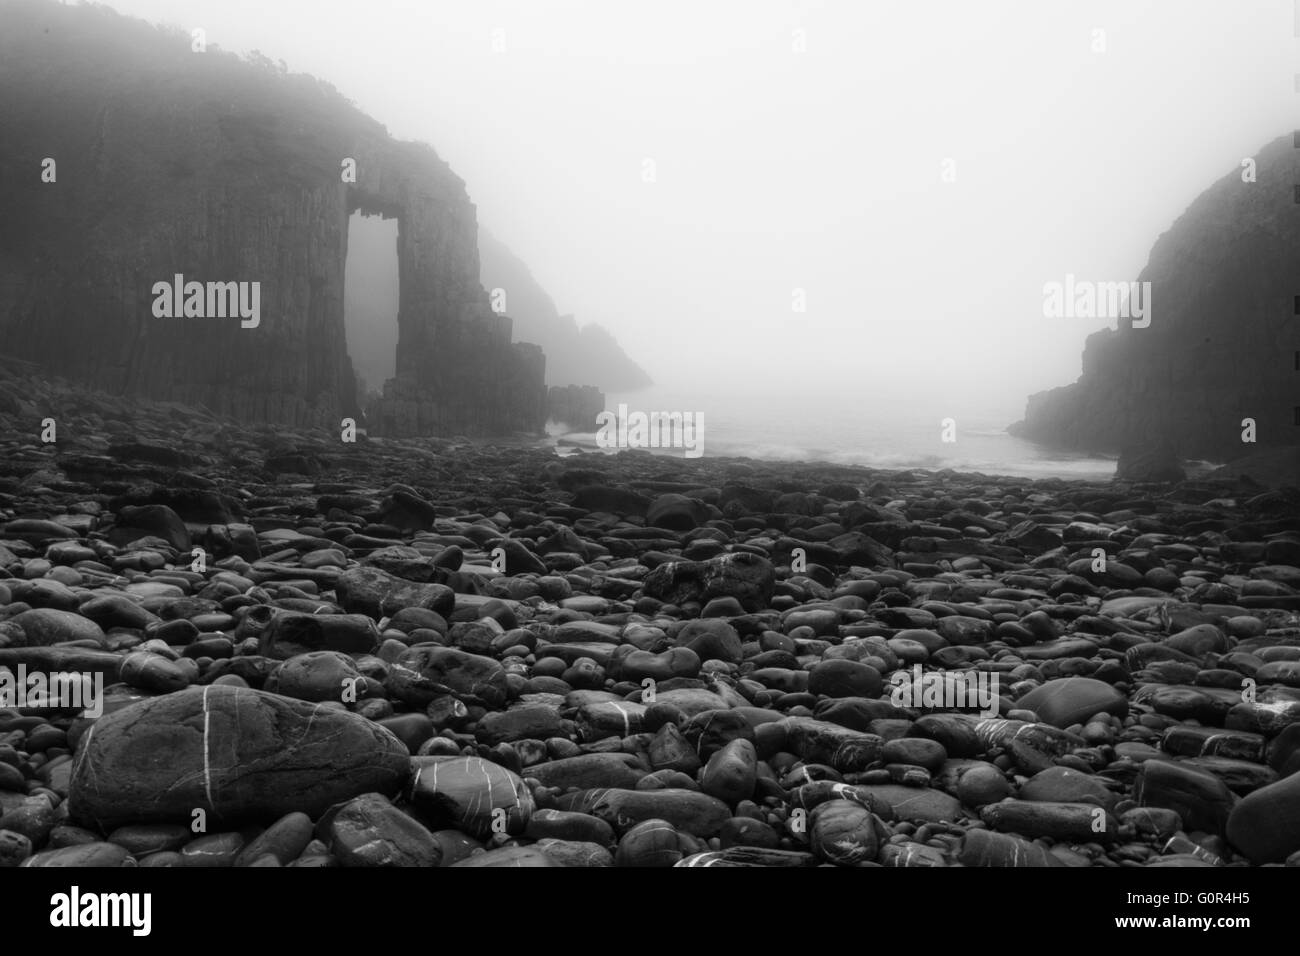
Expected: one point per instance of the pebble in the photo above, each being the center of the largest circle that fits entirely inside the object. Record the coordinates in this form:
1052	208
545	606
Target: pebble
656	677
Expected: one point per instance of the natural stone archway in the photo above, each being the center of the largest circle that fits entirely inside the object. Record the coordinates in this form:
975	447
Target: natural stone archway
226	171
370	300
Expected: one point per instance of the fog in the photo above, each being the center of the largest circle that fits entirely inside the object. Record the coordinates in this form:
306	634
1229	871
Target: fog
802	146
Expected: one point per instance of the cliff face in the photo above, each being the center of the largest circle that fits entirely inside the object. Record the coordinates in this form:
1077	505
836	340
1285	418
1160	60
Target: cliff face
575	356
1222	336
171	161
576	406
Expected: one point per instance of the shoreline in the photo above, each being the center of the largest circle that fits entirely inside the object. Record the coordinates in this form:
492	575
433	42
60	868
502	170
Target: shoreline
786	662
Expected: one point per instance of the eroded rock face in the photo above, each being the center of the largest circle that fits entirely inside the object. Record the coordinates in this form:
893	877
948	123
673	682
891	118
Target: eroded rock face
1220	340
575	405
237	754
235	175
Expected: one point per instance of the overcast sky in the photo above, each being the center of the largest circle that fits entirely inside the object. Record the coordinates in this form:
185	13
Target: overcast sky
800	145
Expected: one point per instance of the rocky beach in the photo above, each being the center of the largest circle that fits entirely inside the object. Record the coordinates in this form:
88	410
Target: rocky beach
428	652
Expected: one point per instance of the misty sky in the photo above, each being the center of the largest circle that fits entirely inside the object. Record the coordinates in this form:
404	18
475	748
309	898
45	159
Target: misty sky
777	169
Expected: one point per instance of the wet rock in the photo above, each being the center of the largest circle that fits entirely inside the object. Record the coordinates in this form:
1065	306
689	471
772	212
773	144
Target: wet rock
238	754
471	794
846	834
1073	700
748	578
1202	800
696	813
987	848
290	633
377	594
44	626
425	672
368	831
1265	825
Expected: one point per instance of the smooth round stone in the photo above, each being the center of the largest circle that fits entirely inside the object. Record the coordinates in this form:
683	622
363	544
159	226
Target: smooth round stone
1073	700
14	848
1284	751
918	751
1265	825
652	843
1244	626
511	856
982	848
290	633
425	672
1063	785
67	835
45	626
1183	703
12	779
212	850
712	639
636	666
521	722
1280	672
722	607
455	846
34	818
844	678
959	630
981	785
1200	798
731	772
317	676
743	831
1155	823
929	639
666	780
917	805
368	831
670	750
283	840
846	834
696	813
474	795
45	592
576	853
908	652
565	825
143	839
103	855
153	672
117	610
411	729
692	701
1198	641
587	771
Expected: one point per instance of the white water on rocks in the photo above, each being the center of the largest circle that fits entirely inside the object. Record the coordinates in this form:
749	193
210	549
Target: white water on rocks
861	425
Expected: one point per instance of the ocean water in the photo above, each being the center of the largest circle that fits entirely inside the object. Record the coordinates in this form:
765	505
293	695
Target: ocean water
880	429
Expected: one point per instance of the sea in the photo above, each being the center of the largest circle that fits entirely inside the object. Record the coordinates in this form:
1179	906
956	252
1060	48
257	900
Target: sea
875	428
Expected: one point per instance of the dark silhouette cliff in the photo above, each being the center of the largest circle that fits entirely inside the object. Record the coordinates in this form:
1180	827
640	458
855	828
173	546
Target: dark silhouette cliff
171	161
1222	338
587	355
